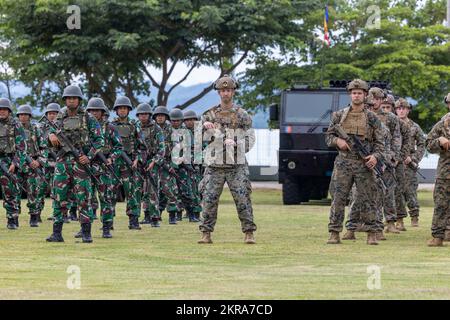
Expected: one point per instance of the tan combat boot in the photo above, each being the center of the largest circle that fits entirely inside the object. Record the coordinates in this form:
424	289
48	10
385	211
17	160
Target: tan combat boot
206	237
447	235
371	238
249	238
435	242
414	221
400	225
390	228
349	235
334	238
380	236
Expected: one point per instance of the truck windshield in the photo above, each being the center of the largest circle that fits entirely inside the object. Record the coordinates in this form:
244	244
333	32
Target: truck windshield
301	107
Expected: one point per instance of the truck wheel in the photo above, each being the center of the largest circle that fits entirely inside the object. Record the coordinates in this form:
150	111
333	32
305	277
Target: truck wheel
291	190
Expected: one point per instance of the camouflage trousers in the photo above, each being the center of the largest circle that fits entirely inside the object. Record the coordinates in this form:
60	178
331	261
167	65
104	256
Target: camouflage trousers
441	214
188	190
168	192
410	192
196	177
150	195
132	187
349	172
105	191
211	186
30	182
400	191
10	191
49	171
71	178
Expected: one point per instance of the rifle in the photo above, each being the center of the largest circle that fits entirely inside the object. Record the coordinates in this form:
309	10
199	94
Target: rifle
69	147
37	170
358	147
416	168
101	156
8	174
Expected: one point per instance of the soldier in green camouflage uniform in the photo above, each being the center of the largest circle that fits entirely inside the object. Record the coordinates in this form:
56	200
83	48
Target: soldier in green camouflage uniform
32	174
131	136
153	159
168	193
51	112
416	153
12	157
438	141
72	174
229	131
355	120
190	121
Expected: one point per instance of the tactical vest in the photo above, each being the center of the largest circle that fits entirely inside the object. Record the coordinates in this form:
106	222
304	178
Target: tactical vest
108	145
356	124
7	137
75	128
126	132
31	140
149	132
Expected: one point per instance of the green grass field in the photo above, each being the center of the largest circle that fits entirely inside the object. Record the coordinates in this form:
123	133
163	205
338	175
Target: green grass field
291	259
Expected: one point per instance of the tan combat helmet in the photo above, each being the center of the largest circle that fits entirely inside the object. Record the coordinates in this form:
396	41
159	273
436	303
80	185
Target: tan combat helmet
358	84
447	98
377	93
402	103
389	99
226	82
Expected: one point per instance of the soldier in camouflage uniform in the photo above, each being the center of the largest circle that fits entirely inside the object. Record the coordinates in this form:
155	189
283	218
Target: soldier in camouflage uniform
168	193
190	120
416	153
229	127
51	112
32	174
358	121
438	141
12	156
153	159
131	136
72	174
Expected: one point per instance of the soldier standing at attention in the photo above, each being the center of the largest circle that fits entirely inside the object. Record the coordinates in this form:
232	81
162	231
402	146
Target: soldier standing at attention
83	132
350	167
222	167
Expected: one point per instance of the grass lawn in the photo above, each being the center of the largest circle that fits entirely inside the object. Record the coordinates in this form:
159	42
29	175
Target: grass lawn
291	259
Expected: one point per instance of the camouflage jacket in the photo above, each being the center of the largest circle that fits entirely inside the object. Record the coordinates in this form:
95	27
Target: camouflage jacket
37	144
394	138
217	154
441	129
15	130
154	146
417	141
406	141
167	130
113	145
374	141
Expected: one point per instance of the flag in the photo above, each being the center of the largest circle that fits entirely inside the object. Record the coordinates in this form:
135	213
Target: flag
326	35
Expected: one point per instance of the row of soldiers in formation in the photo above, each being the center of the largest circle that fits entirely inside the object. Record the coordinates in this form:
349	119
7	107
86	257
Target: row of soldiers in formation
376	168
80	153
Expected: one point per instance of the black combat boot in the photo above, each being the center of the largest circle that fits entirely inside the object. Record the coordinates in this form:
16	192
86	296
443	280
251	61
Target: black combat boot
134	223
155	223
192	217
95	215
179	215
34	220
160	214
11	224
79	234
73	214
172	218
147	219
66	218
16	221
57	233
106	229
39	219
86	232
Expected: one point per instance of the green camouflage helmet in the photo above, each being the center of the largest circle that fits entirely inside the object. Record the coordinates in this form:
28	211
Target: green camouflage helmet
389	100
24	109
402	103
161	110
358	84
96	104
176	114
190	114
377	93
143	108
447	98
5	103
226	82
72	91
52	107
122	102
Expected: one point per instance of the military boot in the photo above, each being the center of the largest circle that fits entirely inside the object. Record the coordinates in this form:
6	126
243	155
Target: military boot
447	235
106	229
86	232
349	235
155	223
372	238
34	220
95	215
390	228
57	233
79	234
147	219
414	222
249	238
172	218
134	223
73	214
16	221
400	225
380	236
160	214
66	218
39	219
435	242
206	237
11	225
179	215
334	238
192	217
197	216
